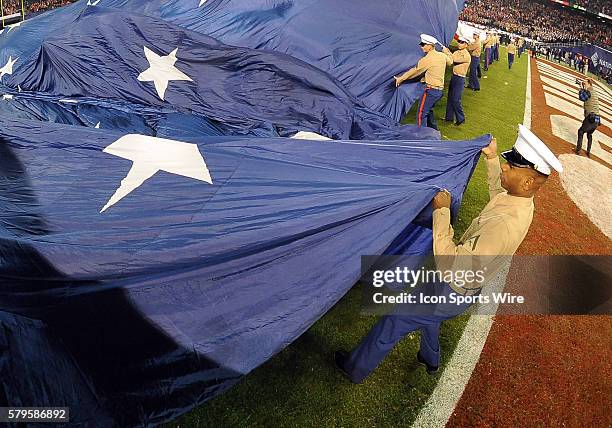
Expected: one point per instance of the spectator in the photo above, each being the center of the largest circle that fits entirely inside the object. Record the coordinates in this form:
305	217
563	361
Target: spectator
539	20
11	7
598	6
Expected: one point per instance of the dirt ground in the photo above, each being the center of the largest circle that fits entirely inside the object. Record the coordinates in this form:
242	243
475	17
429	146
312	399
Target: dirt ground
544	370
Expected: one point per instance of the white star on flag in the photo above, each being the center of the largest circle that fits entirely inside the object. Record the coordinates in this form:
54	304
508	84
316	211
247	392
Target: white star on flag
90	3
8	67
202	2
151	155
97	125
161	71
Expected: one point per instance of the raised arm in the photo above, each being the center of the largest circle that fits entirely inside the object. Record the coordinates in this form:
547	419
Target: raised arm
478	250
415	71
449	56
493	169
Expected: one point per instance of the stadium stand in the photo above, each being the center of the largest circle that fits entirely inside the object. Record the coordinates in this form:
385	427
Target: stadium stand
542	21
10	7
599	6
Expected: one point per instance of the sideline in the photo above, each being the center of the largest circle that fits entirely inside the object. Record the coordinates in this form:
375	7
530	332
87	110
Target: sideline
527	117
442	402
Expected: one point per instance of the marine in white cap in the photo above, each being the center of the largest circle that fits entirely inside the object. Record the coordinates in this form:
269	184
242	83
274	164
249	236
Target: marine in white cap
461	61
488	47
475	49
432	66
496	45
500	228
512	49
486	246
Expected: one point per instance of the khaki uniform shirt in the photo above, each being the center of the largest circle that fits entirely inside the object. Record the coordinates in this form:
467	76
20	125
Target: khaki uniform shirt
461	59
489	42
492	238
512	48
475	48
434	66
521	43
592	104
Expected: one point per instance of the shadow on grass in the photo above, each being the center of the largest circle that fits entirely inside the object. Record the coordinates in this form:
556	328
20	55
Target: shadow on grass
300	386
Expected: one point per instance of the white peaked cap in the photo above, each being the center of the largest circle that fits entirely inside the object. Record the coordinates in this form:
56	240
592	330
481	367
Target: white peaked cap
531	148
464	34
429	40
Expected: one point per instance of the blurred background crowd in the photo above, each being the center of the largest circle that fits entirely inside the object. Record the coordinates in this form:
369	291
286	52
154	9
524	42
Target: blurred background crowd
10	7
543	20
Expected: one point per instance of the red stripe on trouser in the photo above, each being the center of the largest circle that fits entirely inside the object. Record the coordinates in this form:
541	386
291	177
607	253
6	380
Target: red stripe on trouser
421	107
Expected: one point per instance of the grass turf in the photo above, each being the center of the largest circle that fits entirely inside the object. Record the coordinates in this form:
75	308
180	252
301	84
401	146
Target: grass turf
300	386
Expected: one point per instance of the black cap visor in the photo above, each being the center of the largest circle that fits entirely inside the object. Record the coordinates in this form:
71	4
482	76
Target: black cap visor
514	158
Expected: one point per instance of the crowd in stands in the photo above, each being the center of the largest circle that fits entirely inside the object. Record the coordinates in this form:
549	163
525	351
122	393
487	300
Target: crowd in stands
539	20
42	5
600	6
10	7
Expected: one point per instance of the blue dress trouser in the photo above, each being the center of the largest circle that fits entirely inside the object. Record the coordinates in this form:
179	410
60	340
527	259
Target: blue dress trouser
487	58
404	320
474	82
454	109
425	113
510	60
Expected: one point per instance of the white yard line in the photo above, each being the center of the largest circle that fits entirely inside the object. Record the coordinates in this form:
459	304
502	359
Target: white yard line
565	73
441	403
527	118
581	173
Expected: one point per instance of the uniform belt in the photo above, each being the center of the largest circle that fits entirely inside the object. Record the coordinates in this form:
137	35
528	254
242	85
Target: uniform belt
459	75
464	291
434	87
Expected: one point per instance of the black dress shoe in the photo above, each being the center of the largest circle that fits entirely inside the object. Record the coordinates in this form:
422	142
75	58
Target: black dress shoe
459	123
447	120
340	358
430	369
577	151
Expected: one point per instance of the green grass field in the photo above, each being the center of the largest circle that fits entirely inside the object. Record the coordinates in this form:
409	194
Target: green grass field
300	387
